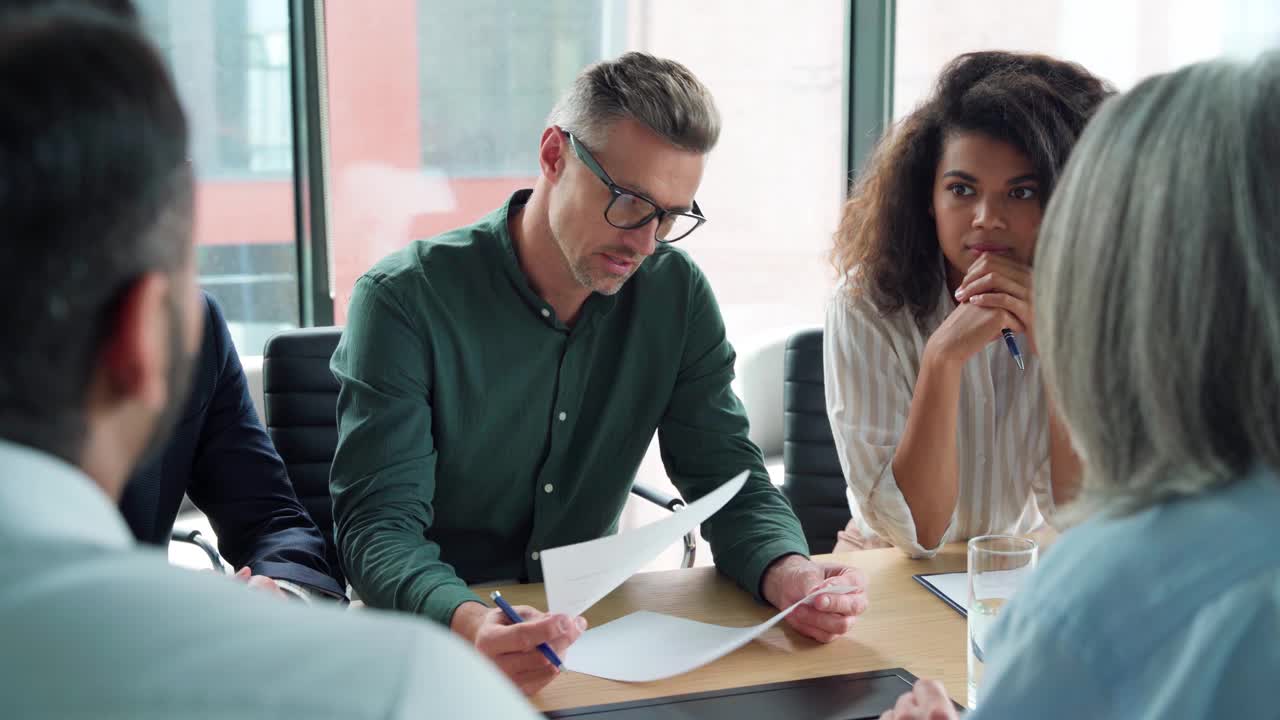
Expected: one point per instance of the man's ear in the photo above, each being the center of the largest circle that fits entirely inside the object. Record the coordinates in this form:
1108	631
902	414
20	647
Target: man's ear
551	153
134	356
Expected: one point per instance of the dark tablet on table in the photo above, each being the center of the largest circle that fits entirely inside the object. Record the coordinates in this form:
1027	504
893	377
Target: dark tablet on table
837	697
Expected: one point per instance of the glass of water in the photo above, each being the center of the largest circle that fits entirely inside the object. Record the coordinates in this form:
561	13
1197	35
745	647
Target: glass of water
998	564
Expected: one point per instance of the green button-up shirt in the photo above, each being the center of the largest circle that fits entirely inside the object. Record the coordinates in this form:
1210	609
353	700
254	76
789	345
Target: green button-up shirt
476	428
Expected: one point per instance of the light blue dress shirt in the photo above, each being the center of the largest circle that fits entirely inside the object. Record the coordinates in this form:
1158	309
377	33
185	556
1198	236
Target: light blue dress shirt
94	626
1173	612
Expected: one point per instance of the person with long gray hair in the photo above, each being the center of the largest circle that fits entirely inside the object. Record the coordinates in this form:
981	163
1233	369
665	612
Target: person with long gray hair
502	382
1158	302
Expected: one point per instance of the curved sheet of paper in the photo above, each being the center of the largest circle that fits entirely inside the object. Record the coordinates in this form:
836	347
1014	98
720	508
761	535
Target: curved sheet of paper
646	646
577	576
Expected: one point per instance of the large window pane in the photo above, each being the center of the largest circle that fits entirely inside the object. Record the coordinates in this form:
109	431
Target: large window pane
230	59
774	185
1120	40
490	83
436	108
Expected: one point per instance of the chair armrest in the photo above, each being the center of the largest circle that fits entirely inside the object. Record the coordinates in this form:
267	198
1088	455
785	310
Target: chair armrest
194	537
673	504
660	499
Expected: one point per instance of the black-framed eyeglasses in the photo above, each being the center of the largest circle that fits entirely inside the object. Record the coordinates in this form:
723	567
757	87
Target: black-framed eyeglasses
628	209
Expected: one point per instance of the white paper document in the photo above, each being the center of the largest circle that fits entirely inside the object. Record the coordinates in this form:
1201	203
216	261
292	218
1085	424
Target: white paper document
578	576
646	646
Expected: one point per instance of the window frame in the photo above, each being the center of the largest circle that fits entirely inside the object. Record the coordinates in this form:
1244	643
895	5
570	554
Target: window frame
310	162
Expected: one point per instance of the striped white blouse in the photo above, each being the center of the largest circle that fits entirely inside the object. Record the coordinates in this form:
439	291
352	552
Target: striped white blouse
871	363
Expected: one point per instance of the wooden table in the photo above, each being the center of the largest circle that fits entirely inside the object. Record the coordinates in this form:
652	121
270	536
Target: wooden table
905	627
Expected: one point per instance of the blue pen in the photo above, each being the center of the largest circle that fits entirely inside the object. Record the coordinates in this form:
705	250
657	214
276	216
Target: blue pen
1013	347
514	617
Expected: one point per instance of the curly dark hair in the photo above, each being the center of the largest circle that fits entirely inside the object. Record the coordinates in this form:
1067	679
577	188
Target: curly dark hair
887	240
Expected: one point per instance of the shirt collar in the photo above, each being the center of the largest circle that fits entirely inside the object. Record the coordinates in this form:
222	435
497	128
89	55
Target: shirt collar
499	221
500	227
596	306
44	497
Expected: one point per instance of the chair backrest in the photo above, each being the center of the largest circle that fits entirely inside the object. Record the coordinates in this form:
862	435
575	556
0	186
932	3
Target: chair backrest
813	481
759	371
300	398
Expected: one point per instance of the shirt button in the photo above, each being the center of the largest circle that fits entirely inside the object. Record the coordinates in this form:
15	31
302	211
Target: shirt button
548	488
546	312
534	555
562	417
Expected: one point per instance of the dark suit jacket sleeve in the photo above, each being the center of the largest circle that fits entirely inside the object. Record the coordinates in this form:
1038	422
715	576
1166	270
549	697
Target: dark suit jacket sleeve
240	482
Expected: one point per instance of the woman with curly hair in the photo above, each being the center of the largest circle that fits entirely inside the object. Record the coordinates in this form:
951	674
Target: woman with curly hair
943	431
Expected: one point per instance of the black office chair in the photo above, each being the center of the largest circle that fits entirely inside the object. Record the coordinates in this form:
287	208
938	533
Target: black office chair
812	480
300	398
194	537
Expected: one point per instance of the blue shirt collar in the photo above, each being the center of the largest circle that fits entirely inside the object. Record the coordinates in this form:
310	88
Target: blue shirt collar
45	498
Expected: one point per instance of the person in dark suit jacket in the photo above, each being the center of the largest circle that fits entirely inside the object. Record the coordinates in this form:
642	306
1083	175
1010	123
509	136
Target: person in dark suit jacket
222	458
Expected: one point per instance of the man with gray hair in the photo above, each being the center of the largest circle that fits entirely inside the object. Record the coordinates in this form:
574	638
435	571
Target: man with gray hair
502	382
